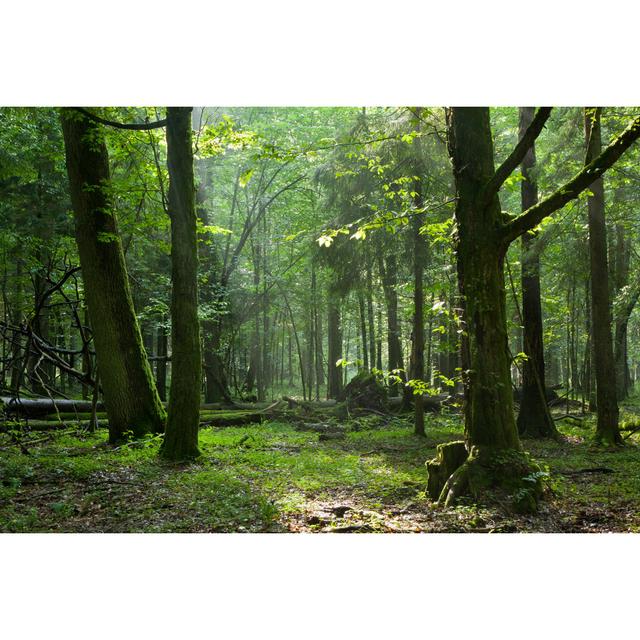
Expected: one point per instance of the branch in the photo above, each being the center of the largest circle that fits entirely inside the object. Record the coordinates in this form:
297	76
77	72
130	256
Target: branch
250	227
517	155
142	126
534	215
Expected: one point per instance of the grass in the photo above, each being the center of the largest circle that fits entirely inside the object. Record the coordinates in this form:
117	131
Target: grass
270	477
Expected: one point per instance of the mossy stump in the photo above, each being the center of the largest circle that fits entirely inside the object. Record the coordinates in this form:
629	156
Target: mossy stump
449	457
504	476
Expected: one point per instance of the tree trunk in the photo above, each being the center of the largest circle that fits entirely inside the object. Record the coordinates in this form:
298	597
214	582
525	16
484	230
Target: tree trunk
364	345
379	340
621	280
419	260
489	419
534	418
162	351
607	431
318	337
181	438
334	373
388	270
370	322
130	395
16	360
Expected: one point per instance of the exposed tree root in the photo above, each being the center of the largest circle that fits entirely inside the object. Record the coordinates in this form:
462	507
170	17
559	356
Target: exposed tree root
487	476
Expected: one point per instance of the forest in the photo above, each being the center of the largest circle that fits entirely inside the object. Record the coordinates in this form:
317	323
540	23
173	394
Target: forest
331	319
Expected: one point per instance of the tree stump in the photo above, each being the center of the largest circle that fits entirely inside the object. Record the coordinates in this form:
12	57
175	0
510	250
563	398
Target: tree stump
449	457
505	477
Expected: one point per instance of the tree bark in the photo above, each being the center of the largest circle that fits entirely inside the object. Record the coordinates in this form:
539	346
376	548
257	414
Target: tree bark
370	321
364	345
489	419
621	280
162	351
181	438
534	419
130	396
334	373
388	272
607	431
484	233
419	260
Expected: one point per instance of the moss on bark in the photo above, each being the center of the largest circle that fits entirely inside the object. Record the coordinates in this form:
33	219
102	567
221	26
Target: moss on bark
449	457
506	476
130	396
181	437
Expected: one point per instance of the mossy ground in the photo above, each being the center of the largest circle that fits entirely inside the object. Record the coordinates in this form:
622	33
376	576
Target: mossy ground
270	477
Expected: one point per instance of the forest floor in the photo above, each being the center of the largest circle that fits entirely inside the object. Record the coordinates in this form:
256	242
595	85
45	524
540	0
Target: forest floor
270	477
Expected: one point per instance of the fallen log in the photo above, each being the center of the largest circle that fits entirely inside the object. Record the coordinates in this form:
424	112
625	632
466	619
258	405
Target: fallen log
37	407
213	406
308	404
233	419
237	418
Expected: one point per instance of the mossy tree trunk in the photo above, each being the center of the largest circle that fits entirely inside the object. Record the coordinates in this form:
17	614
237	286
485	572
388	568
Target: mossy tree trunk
483	235
130	397
181	437
607	431
480	249
534	418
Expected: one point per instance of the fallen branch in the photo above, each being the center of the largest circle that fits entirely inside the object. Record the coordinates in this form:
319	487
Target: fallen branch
569	415
576	472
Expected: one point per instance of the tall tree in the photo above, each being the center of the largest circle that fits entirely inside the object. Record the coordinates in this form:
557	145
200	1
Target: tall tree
419	262
534	418
334	338
130	396
484	233
607	431
181	438
417	359
626	299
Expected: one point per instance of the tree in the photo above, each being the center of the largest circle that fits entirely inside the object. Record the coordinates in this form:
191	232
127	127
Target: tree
130	396
334	329
417	356
181	437
607	431
534	418
484	233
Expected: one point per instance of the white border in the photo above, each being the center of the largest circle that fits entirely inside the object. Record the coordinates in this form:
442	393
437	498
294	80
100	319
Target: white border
494	52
